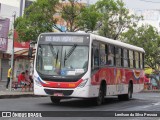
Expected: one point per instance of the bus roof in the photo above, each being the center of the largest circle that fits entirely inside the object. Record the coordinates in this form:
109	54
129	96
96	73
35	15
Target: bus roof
103	39
63	33
117	43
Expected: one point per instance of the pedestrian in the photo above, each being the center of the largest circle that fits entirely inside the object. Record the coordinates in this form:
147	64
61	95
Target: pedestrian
146	82
22	81
27	78
9	75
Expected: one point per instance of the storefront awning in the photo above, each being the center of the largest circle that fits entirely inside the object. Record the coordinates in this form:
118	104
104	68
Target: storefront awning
22	53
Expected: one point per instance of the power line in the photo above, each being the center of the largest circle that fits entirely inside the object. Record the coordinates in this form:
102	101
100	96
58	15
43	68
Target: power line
149	1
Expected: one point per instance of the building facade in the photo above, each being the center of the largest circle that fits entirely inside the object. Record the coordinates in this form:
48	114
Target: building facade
7	10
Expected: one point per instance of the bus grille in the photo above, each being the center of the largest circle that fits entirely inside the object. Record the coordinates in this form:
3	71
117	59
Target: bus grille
64	92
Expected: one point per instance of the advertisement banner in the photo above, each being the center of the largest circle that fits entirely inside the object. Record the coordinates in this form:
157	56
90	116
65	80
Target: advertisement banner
4	29
18	44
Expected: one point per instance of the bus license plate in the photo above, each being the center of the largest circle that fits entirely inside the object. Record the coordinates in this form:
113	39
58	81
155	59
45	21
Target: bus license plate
58	94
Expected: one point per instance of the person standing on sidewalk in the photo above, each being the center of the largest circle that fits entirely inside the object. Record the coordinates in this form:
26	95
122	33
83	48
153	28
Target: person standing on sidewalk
8	77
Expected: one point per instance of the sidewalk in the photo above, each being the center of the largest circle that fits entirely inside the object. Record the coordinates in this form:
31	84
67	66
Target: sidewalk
150	91
14	93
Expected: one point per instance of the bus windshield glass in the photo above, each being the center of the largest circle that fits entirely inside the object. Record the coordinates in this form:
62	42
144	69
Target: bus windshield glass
62	60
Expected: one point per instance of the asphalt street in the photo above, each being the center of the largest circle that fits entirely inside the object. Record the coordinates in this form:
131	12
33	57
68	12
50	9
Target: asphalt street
140	102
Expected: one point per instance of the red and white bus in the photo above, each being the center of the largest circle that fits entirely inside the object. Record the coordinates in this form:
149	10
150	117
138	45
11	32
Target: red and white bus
83	65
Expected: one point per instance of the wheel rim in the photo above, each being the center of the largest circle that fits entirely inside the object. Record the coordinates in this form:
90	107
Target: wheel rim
129	94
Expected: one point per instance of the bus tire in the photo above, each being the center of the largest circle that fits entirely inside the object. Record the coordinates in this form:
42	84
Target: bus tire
100	98
55	100
130	91
126	96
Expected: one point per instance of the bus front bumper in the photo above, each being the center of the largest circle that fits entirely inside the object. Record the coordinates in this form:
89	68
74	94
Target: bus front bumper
84	92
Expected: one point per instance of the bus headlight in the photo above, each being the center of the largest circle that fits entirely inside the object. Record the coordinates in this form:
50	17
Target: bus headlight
82	84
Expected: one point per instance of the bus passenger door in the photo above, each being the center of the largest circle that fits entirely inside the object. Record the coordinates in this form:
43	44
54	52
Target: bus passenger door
95	63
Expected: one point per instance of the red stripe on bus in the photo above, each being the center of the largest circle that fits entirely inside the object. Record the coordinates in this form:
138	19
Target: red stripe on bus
62	84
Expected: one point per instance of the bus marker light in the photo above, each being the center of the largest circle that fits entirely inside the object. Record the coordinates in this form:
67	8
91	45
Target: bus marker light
72	85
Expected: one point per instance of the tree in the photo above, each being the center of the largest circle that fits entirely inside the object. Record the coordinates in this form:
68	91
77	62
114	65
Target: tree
70	12
116	18
148	38
37	18
88	19
78	16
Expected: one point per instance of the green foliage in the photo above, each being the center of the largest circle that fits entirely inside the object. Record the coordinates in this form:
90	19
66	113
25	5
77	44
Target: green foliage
89	18
115	18
70	12
148	38
37	18
79	16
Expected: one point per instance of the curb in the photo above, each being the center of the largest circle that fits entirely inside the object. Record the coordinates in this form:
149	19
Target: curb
16	96
19	96
147	91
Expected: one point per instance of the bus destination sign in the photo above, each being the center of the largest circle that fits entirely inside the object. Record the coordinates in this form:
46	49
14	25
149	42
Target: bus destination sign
66	39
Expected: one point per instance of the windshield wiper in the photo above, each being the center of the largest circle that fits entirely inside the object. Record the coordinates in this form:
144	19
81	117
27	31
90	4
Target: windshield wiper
64	58
52	50
54	53
70	52
57	57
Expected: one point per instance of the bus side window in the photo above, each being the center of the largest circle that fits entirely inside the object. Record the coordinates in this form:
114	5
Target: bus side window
122	57
125	58
118	56
96	57
106	52
103	54
111	55
136	59
131	57
141	60
95	54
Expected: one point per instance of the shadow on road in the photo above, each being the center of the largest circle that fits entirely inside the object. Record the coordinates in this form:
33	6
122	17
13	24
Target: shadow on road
84	103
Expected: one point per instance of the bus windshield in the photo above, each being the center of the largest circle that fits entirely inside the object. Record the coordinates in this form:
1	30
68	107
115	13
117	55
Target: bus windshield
56	60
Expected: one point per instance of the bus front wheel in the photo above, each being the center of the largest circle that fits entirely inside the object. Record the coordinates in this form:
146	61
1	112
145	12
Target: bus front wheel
100	99
55	100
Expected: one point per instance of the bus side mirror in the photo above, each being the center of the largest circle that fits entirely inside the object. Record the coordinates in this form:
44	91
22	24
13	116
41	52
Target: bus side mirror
30	52
31	46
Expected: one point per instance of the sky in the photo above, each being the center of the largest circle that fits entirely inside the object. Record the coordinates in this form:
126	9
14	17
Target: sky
131	4
139	4
142	4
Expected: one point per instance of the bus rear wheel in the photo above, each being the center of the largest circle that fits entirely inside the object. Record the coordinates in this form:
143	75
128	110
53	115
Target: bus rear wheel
126	96
55	100
130	91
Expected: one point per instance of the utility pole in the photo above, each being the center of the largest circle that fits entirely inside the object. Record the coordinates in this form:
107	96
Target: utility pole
12	57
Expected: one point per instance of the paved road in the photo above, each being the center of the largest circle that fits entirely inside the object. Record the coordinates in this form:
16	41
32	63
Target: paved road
140	102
